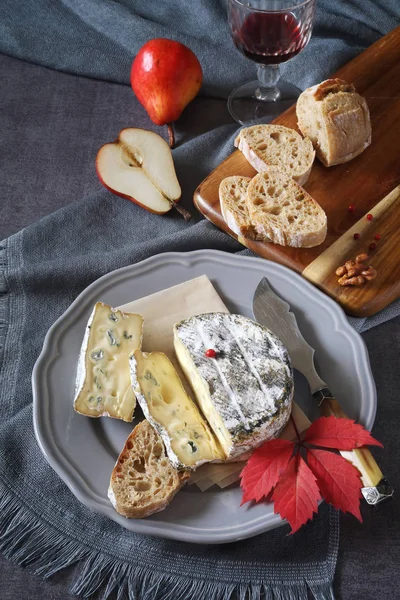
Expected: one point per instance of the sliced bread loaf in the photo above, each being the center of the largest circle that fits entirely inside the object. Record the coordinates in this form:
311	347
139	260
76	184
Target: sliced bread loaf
232	196
283	211
143	480
279	147
336	119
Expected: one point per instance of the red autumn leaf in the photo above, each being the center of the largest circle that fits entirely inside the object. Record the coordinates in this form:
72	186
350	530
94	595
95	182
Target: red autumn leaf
277	470
341	434
339	481
263	469
296	494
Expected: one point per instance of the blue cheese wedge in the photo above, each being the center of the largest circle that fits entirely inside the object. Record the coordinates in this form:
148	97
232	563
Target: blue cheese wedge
186	435
245	392
103	387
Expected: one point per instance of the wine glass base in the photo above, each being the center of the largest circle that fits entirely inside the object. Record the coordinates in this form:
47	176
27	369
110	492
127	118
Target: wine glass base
246	109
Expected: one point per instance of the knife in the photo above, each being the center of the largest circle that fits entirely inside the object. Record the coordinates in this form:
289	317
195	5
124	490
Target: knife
273	312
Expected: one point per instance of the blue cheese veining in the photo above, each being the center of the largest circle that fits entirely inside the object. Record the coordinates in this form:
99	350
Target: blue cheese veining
187	437
246	391
103	386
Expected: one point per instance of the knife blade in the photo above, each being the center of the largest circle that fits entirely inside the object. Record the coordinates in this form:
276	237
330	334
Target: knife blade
273	312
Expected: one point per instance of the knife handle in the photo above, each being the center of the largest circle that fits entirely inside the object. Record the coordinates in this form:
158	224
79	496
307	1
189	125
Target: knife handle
376	488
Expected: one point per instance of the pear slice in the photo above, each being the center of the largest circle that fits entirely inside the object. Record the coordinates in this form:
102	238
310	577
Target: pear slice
139	166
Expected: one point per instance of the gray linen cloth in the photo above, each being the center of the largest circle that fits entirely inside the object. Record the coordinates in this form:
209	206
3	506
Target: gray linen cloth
45	266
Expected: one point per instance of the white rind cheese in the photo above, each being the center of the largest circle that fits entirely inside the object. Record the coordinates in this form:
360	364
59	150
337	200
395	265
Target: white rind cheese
186	435
103	387
246	391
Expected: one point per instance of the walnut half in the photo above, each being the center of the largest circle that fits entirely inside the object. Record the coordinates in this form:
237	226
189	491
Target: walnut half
356	272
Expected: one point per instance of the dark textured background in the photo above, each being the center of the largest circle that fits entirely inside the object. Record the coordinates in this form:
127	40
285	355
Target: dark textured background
59	121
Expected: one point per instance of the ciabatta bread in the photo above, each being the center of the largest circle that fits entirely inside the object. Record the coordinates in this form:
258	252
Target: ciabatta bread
336	119
232	196
143	480
283	211
275	146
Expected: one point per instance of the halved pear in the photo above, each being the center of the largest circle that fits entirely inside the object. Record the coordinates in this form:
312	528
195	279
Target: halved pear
139	166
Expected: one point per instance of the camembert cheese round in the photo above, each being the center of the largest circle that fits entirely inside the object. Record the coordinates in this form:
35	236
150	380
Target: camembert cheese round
245	392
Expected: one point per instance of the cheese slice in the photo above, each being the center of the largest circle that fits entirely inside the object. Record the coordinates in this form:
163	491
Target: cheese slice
246	391
103	386
165	404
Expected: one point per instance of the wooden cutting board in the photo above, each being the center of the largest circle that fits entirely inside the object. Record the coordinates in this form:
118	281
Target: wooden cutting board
371	182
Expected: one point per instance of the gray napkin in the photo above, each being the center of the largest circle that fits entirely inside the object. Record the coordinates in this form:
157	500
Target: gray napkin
45	266
43	526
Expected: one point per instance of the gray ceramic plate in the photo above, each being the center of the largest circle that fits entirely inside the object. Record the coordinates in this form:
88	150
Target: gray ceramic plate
83	451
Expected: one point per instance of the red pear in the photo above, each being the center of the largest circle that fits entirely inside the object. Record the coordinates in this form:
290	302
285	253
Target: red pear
165	76
139	166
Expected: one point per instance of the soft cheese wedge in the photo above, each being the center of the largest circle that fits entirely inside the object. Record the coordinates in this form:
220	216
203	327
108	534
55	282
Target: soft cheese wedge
103	385
246	390
165	404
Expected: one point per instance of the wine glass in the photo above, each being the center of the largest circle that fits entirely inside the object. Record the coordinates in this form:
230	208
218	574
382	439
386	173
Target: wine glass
269	32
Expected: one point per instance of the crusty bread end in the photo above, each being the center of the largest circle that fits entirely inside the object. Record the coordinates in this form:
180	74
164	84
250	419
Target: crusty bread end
336	119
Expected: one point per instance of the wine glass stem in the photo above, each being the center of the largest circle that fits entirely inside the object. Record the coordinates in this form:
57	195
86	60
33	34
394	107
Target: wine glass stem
268	77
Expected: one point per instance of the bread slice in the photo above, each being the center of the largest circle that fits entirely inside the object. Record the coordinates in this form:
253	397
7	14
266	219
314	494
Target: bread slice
143	480
275	146
283	211
232	196
336	119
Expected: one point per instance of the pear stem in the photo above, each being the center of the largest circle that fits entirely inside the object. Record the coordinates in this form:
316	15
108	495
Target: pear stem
171	136
185	214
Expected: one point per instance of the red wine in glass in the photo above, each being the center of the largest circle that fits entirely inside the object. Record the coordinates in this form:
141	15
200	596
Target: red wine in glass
270	38
268	32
